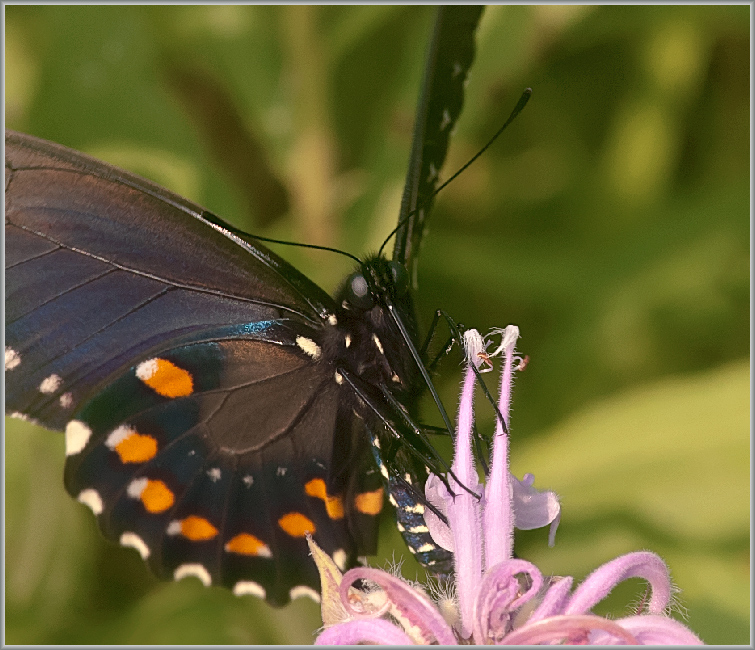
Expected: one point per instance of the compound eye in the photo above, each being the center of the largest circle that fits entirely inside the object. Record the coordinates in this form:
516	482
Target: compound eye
400	278
358	292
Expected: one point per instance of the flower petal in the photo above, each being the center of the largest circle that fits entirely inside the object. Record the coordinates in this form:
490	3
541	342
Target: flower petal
573	630
554	600
499	511
650	629
533	508
463	509
331	608
417	613
500	595
437	495
375	631
600	582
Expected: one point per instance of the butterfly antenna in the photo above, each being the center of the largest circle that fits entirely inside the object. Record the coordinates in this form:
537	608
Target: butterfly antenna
312	246
517	109
244	235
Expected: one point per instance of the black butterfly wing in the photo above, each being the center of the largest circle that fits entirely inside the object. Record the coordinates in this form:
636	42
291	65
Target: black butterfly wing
449	59
183	364
211	462
103	265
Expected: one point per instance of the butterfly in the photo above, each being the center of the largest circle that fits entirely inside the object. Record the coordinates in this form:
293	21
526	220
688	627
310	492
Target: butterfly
218	406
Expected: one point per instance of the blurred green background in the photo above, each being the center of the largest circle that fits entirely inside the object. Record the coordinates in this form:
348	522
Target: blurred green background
610	222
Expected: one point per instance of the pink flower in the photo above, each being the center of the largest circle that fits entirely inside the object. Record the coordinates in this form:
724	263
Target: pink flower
495	598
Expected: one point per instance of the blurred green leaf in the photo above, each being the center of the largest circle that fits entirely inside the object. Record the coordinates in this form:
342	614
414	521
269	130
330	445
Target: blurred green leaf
610	222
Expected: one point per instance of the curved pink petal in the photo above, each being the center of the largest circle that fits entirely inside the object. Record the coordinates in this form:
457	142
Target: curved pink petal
413	606
554	600
572	630
650	629
600	582
499	596
375	631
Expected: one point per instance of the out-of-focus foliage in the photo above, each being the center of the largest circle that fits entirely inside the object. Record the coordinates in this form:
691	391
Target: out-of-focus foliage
610	222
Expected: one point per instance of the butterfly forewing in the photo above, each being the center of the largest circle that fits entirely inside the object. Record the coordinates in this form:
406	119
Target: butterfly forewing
449	59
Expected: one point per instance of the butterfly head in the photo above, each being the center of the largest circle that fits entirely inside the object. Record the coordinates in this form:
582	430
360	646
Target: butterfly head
378	282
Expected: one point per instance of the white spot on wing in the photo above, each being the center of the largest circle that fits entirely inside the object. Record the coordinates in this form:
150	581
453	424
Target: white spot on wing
378	344
332	319
174	528
214	473
12	358
339	557
146	369
309	347
92	499
248	480
347	340
136	487
339	379
117	436
24	417
50	384
304	592
195	570
77	436
66	400
132	540
248	588
281	471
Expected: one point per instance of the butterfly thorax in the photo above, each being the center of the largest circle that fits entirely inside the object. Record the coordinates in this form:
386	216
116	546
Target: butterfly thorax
366	341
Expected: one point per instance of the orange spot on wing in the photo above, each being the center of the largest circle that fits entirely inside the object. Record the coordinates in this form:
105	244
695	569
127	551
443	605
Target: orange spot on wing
369	503
157	497
197	528
333	505
136	448
246	544
296	524
315	488
166	378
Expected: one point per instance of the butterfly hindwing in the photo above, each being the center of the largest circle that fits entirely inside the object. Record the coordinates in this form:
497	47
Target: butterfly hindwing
177	465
